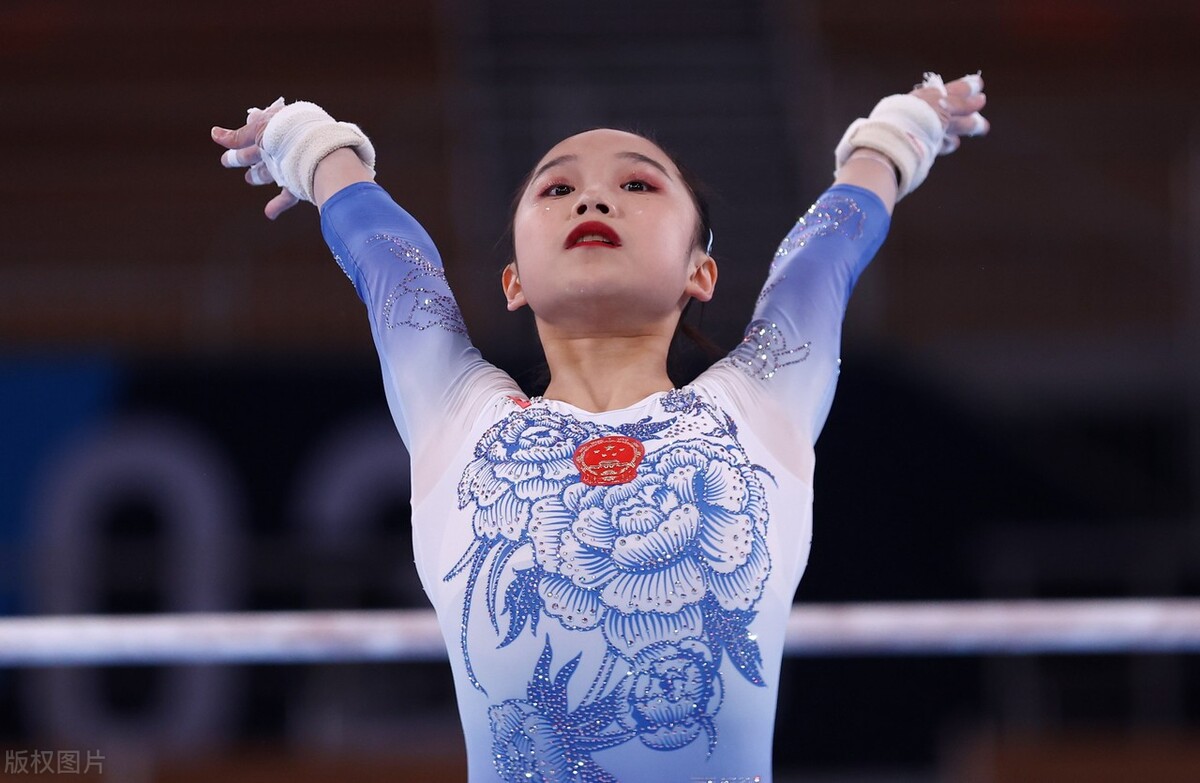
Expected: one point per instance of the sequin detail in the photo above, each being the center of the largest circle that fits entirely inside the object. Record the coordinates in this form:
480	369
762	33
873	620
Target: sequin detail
830	215
667	568
421	300
769	287
764	351
541	739
342	265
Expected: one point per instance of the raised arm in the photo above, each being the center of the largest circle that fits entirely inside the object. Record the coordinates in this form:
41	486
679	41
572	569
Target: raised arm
434	378
790	353
308	154
890	152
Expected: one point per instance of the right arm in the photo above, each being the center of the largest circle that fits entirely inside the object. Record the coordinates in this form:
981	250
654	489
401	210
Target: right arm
432	373
434	377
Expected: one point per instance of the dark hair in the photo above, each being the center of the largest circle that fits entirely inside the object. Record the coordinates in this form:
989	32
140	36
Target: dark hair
691	352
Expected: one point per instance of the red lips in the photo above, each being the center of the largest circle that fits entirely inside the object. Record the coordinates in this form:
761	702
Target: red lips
592	234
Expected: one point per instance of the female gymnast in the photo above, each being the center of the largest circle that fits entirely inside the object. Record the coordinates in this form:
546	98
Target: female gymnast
612	563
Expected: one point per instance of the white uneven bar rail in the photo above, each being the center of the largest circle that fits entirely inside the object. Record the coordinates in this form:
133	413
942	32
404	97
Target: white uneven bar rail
961	628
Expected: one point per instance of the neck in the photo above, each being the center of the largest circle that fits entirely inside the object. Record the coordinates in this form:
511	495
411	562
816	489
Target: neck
604	373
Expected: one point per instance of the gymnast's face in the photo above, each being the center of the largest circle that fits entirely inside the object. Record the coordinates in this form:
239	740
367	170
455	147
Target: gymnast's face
605	236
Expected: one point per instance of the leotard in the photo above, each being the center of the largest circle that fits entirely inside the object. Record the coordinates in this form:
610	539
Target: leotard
613	587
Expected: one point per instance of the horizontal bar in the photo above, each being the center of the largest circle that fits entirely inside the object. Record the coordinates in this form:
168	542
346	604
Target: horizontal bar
951	628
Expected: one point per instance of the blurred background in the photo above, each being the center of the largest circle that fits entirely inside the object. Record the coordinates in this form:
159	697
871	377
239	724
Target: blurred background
191	416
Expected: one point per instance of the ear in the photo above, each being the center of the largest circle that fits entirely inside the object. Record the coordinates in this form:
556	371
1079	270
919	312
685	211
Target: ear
703	280
513	292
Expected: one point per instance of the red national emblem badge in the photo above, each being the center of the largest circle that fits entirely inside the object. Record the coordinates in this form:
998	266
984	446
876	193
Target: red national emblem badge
607	460
613	459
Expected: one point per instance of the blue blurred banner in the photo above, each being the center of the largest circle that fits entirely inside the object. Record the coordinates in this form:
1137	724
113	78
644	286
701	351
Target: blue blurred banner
44	402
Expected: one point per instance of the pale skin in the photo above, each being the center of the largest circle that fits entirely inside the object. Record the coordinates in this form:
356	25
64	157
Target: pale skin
606	312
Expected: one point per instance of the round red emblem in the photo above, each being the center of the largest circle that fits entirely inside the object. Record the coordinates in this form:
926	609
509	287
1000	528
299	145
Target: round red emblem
613	459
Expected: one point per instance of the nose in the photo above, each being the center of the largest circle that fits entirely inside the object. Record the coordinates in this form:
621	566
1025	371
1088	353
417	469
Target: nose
597	205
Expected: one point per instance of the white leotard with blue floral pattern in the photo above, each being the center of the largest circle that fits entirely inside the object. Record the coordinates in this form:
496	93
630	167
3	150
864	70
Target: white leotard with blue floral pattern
630	631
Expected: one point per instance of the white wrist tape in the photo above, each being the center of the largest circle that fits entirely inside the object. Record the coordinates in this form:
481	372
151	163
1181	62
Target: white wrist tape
299	136
903	127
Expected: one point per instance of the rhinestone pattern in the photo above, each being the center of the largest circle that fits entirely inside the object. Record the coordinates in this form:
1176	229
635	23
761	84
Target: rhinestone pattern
422	299
665	571
764	351
831	214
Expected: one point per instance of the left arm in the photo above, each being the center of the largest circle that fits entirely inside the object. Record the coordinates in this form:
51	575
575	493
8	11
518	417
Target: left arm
790	350
309	155
892	165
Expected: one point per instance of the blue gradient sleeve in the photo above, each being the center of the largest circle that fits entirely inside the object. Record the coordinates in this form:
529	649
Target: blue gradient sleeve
793	342
429	365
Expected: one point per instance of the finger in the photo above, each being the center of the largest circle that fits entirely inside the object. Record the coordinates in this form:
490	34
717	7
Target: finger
259	175
280	204
949	144
966	87
936	101
962	106
256	120
255	114
239	158
973	124
235	138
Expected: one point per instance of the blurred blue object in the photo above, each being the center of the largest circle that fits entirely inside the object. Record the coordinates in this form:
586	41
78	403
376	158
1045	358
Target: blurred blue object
44	400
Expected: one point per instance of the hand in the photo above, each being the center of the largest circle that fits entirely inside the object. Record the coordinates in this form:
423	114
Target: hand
242	151
957	105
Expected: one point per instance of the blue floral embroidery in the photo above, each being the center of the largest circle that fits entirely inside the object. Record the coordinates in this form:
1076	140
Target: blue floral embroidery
668	568
674	693
642	556
680	401
524	456
541	739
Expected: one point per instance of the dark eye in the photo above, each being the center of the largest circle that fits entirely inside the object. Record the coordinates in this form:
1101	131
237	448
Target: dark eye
638	186
558	190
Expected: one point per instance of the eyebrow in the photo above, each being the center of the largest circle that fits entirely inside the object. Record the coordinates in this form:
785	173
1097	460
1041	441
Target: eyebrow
644	159
561	159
